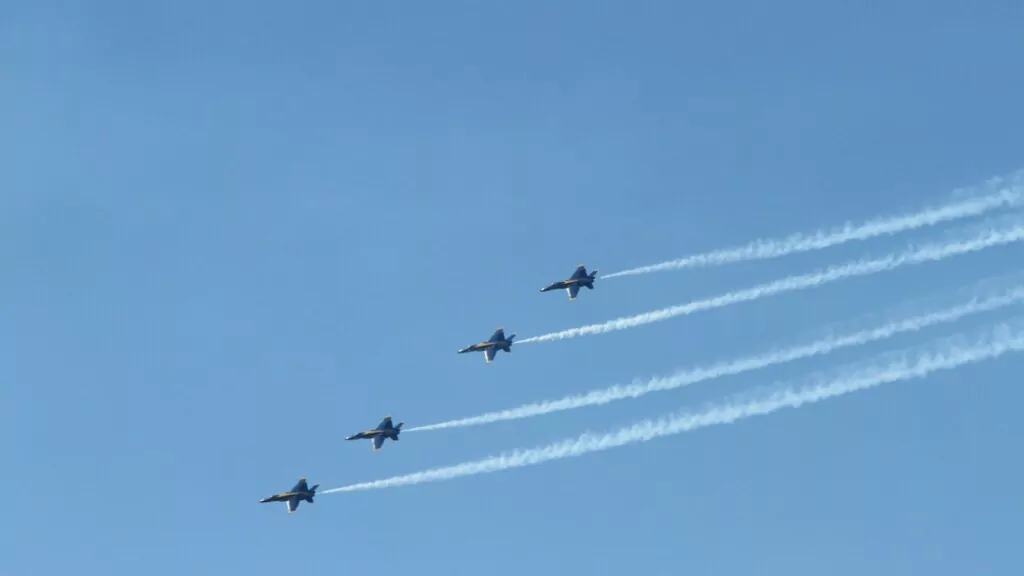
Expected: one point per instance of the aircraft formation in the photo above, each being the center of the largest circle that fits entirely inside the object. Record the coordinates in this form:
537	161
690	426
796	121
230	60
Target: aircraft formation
387	430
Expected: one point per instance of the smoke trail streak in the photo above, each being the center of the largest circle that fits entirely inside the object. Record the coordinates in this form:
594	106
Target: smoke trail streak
693	376
764	249
928	253
1000	340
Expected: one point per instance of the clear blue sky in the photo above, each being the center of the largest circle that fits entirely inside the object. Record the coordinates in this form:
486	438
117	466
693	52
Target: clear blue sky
233	233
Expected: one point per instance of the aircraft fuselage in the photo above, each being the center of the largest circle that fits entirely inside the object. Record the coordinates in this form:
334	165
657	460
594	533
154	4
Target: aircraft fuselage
563	284
500	345
478	347
287	496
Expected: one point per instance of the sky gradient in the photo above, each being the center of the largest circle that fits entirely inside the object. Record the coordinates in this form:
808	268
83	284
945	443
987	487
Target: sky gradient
234	233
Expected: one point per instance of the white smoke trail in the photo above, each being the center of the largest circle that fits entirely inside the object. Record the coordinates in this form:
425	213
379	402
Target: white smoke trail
764	249
927	253
683	378
953	354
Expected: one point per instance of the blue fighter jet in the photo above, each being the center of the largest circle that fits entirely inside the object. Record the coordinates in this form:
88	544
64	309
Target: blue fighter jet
297	494
572	285
491	347
378	434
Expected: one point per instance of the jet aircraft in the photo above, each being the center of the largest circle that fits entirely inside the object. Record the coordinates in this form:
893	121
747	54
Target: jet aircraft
572	285
297	494
378	434
491	347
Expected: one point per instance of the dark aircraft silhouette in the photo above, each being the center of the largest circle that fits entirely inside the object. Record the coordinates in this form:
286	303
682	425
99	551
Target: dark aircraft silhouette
297	494
378	434
491	347
572	285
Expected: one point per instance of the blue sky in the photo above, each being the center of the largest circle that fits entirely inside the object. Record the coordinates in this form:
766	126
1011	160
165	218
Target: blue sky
235	232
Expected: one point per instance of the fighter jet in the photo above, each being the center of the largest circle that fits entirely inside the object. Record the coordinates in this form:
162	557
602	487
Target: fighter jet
572	285
297	494
378	434
491	347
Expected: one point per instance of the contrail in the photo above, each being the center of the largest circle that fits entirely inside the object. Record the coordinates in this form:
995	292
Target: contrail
927	253
683	378
764	249
955	353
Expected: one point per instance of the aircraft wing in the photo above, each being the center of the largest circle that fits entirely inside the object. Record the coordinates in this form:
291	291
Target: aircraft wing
573	291
378	441
301	486
293	503
580	272
498	335
489	354
385	423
